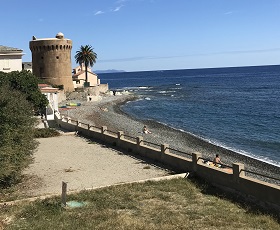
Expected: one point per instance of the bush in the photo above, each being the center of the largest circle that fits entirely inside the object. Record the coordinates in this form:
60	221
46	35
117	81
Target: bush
25	82
16	134
44	133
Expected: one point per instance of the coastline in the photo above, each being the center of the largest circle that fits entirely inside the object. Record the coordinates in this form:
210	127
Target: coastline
108	112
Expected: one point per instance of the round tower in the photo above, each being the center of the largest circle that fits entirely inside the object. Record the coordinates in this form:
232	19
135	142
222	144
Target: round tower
51	60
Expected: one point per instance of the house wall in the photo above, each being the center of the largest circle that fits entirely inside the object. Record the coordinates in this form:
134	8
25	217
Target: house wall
92	79
79	83
10	62
52	106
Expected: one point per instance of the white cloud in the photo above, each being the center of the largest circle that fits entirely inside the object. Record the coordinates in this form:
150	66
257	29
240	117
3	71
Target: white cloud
228	13
117	8
120	1
99	12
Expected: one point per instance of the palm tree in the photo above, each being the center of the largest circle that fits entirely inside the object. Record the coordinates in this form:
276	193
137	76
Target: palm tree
87	56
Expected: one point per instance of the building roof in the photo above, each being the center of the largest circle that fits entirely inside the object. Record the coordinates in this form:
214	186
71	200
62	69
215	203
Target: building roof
9	49
49	90
58	36
75	75
45	88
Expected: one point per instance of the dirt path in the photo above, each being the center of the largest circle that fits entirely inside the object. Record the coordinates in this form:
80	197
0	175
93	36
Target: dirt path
82	164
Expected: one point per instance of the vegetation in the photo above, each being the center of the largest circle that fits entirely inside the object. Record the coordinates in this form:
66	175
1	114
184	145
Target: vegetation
26	83
45	132
173	204
19	98
86	56
16	134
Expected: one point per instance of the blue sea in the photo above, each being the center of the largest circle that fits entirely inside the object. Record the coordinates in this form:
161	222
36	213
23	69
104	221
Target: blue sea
236	108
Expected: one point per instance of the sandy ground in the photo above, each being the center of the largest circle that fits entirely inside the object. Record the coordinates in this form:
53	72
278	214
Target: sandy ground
83	164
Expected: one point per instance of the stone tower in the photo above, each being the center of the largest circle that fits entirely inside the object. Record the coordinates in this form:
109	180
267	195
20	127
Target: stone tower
51	60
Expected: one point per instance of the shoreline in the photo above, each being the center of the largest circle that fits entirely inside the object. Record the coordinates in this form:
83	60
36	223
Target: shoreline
117	120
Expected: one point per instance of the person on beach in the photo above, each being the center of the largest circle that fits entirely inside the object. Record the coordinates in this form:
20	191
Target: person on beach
217	161
145	130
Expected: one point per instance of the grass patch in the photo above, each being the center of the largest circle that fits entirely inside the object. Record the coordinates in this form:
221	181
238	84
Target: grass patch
172	204
45	132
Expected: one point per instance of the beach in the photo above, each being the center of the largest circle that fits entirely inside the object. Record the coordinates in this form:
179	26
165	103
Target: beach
108	112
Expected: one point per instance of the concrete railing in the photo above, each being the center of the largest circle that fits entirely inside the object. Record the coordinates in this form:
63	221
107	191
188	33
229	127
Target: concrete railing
233	179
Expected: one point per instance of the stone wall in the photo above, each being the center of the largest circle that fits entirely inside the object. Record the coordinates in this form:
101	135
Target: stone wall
233	180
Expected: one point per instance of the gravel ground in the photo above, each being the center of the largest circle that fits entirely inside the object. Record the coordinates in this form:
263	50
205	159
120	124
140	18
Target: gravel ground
83	164
107	112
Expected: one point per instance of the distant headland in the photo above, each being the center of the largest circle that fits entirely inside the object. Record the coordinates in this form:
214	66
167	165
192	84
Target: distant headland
109	71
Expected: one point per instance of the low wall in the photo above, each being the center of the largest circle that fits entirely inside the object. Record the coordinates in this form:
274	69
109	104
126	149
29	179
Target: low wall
103	88
233	179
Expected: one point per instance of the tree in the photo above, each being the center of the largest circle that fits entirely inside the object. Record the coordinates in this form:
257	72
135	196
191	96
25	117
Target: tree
27	83
86	56
16	134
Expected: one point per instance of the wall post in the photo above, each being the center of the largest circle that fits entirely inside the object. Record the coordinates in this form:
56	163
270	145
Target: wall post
164	148
237	171
195	160
120	135
103	129
139	141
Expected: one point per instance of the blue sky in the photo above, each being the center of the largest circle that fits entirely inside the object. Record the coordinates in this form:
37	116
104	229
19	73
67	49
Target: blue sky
139	35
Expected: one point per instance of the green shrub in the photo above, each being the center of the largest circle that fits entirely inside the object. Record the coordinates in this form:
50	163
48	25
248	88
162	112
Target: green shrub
27	83
45	132
16	134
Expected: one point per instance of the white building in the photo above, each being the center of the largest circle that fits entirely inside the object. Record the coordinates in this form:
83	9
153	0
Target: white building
52	96
10	59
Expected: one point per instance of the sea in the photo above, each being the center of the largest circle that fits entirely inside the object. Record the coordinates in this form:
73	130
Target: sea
237	108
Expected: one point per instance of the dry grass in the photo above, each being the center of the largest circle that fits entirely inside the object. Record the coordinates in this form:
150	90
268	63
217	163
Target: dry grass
174	204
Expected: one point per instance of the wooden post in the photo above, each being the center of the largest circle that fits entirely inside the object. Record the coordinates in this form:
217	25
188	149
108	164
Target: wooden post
63	194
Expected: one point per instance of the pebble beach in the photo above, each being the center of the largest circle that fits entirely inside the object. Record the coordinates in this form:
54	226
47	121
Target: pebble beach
107	112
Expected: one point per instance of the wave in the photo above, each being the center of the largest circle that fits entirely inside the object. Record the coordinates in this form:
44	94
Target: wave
166	91
143	87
